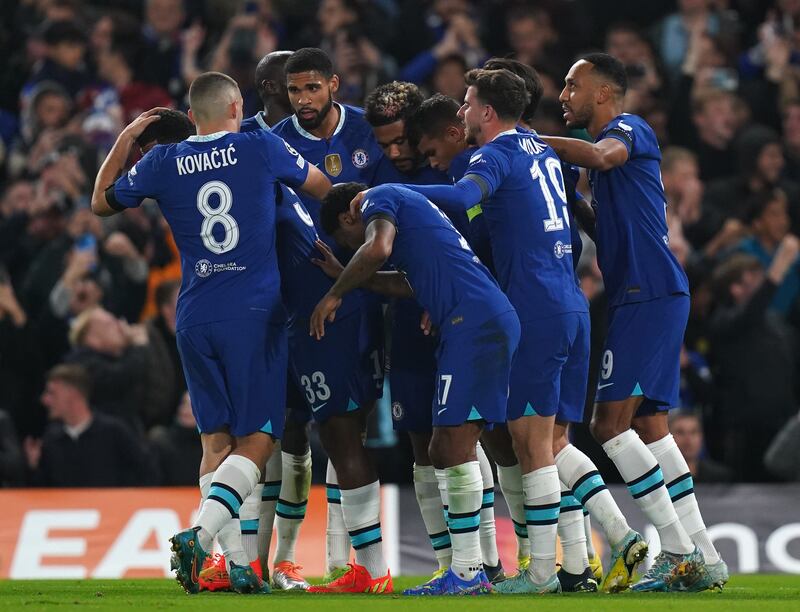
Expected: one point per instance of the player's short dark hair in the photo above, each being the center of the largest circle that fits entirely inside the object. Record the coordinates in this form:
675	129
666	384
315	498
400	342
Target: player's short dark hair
760	201
309	59
533	84
271	66
503	90
609	67
433	116
74	375
164	292
336	202
174	126
392	102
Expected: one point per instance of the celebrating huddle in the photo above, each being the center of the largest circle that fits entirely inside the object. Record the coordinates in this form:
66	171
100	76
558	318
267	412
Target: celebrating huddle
463	222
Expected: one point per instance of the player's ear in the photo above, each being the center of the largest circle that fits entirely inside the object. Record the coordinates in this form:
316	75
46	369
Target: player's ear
453	133
191	116
334	83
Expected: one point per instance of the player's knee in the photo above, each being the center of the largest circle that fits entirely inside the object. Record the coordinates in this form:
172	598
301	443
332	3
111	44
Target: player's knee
559	444
603	430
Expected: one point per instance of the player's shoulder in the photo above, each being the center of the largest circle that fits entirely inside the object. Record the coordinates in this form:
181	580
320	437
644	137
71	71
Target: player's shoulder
353	121
629	123
254	123
284	127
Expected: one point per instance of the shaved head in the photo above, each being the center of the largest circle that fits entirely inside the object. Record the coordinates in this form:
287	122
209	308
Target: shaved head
211	95
270	71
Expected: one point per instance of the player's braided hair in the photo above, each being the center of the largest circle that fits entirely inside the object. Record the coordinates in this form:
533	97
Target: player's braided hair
392	102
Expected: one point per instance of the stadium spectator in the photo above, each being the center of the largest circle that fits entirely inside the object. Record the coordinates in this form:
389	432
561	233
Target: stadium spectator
753	351
161	49
177	447
713	117
769	222
760	164
115	355
687	429
65	46
783	455
452	26
12	461
82	448
165	383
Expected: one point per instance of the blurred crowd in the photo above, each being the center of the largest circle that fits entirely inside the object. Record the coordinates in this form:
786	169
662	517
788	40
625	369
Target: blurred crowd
92	388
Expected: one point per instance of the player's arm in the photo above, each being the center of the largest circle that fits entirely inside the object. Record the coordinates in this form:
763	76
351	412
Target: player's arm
389	283
368	259
585	215
115	161
604	155
317	185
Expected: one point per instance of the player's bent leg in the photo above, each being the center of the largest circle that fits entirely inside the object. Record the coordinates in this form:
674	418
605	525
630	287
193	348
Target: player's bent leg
654	431
488	531
498	444
452	450
426	488
233	481
292	501
640	470
341	435
575	574
533	444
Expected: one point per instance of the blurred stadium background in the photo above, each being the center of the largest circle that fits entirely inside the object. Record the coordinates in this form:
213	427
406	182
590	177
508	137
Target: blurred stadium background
719	80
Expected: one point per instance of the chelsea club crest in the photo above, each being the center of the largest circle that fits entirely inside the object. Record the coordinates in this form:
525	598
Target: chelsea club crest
360	158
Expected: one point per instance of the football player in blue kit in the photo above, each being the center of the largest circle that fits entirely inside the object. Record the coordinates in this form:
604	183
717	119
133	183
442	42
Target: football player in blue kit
574	531
648	296
216	191
412	371
288	472
335	138
336	380
478	328
518	181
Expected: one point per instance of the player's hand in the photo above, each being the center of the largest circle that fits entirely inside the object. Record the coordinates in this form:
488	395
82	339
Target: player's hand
329	264
325	310
33	451
425	324
138	125
355	204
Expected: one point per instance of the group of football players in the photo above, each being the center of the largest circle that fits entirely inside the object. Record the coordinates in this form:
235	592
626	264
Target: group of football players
461	224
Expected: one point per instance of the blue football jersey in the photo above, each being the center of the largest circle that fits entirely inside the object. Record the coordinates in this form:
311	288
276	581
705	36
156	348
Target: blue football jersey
525	206
351	155
631	230
302	282
256	122
472	224
572	175
447	278
217	192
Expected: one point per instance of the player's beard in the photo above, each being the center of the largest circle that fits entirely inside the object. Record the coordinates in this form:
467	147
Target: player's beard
471	133
316	121
581	118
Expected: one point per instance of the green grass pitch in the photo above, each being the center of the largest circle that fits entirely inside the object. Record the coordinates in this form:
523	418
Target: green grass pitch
751	592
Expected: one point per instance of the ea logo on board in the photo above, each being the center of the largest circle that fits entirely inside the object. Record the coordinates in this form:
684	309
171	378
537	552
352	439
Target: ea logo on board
360	158
203	268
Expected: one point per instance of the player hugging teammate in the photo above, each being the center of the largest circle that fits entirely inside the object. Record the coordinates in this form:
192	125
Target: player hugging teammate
462	221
